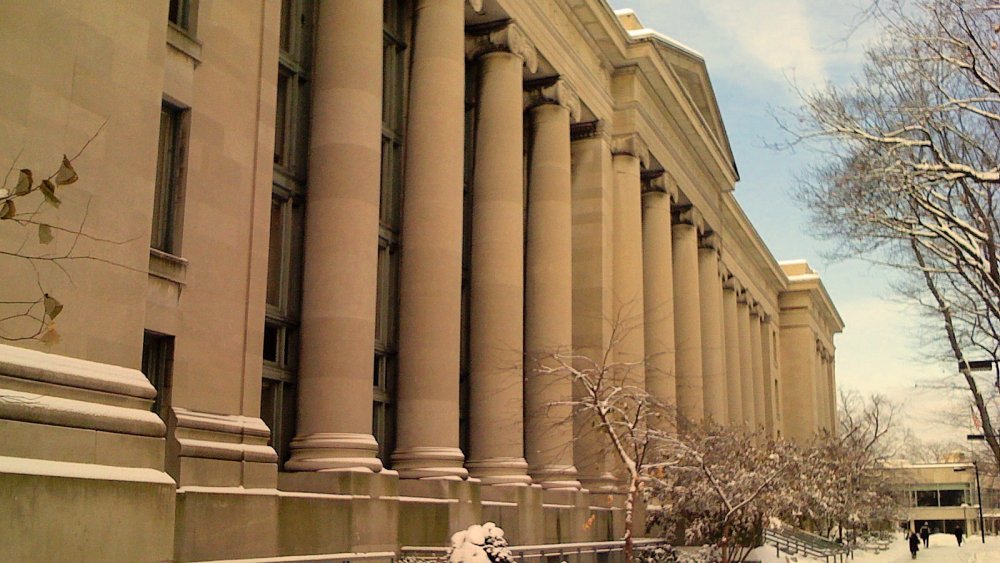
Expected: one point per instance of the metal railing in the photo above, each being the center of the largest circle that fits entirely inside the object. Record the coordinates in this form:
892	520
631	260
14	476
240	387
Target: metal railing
794	541
388	556
542	552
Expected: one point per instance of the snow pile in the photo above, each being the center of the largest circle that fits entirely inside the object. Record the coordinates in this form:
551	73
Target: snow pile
480	544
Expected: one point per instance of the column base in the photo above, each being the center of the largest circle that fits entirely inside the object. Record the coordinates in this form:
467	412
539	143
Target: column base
500	471
556	477
605	483
428	462
334	451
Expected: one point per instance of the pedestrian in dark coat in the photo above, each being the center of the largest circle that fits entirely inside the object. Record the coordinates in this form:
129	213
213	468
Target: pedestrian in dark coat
914	545
925	534
958	535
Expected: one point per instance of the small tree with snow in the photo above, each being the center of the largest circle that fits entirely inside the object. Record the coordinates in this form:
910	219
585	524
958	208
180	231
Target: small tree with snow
633	424
847	487
723	486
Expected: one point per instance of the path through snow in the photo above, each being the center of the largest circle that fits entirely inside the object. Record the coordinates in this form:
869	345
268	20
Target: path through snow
943	549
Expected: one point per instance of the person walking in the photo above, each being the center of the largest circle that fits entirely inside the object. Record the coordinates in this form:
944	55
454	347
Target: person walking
914	545
958	535
925	534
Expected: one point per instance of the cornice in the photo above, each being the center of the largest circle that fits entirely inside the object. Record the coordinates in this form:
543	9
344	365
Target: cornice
586	130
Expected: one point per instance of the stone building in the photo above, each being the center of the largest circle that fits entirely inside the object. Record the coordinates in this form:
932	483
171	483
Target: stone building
319	241
945	495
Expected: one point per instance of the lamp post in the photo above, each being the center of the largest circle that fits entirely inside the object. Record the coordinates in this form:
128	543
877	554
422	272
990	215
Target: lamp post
979	490
979	496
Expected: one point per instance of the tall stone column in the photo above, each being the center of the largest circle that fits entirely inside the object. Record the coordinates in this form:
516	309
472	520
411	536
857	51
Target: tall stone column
658	293
767	355
548	294
687	315
832	383
629	156
759	385
746	361
430	289
734	390
593	204
496	331
712	358
823	399
341	250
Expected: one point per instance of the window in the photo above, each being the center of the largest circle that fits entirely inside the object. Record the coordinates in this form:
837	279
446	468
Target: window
927	498
287	220
393	102
183	14
168	191
157	365
952	497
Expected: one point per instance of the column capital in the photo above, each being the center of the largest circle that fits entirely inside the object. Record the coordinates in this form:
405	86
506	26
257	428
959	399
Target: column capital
476	5
507	38
549	91
659	181
765	318
755	310
743	296
732	284
631	144
688	215
710	240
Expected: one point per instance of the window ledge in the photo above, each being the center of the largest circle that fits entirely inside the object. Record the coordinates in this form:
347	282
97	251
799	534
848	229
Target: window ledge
167	266
184	42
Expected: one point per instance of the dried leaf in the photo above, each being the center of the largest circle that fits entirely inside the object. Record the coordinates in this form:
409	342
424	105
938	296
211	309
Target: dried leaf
44	233
51	336
24	181
7	210
66	174
52	307
49	191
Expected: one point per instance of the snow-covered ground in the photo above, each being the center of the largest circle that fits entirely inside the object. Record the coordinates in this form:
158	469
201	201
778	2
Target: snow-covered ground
943	549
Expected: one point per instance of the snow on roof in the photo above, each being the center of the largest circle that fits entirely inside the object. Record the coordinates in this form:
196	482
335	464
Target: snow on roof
630	21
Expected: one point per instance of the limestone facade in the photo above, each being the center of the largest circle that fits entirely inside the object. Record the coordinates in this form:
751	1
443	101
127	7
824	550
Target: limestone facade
325	243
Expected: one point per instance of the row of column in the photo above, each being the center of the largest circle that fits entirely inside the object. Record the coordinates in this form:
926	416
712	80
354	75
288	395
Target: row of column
676	306
721	349
520	290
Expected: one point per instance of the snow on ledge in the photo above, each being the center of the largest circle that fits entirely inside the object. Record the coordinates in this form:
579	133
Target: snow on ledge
72	470
73	372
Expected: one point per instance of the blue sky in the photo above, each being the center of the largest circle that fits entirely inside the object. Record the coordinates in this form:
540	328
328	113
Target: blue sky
755	51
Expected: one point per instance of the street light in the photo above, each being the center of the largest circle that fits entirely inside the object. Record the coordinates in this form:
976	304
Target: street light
979	495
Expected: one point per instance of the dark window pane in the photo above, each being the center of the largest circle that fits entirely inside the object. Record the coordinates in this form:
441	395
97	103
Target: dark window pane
274	253
952	498
927	498
271	335
157	363
166	178
281	119
287	17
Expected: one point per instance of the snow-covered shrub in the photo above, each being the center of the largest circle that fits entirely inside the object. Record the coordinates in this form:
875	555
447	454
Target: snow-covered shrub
480	544
655	554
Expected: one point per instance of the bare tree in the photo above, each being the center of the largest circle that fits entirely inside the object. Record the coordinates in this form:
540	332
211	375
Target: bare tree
854	491
35	242
911	168
627	419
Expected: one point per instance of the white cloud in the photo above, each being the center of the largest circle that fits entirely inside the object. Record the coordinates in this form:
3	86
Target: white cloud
777	34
